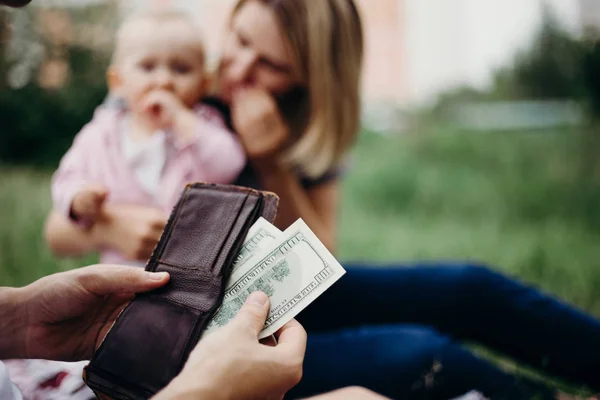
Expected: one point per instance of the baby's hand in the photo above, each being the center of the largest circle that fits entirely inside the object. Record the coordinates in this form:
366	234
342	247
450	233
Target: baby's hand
162	108
166	111
88	202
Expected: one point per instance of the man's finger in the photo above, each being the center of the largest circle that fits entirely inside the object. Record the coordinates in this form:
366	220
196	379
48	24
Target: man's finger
291	338
108	279
253	313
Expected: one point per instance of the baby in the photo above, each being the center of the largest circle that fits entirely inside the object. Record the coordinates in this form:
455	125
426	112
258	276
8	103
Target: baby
145	152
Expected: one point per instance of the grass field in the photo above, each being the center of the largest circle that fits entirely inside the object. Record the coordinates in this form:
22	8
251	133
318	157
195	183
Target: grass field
509	200
513	201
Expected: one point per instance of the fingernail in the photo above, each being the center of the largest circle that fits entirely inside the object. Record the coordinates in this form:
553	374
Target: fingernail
259	298
158	276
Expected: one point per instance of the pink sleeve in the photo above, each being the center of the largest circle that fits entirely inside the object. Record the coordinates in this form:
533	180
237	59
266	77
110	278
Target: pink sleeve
215	152
211	115
74	169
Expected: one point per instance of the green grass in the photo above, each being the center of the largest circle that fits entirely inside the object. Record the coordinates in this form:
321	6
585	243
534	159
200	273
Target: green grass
511	201
515	202
24	204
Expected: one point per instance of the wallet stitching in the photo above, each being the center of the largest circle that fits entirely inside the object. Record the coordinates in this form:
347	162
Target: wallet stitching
169	300
274	206
200	186
230	188
160	247
240	235
229	234
239	204
161	261
185	354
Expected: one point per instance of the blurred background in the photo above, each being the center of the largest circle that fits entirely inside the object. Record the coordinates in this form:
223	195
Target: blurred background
480	136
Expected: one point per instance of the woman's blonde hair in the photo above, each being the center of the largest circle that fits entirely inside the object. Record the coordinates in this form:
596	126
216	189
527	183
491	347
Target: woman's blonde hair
326	41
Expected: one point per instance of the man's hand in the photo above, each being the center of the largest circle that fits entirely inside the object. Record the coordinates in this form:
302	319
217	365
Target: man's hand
68	314
88	203
230	363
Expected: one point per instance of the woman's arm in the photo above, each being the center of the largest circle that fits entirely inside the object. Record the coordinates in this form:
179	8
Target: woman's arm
317	206
65	239
131	230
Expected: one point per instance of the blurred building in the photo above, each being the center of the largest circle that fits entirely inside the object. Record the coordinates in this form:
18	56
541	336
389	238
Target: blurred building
590	14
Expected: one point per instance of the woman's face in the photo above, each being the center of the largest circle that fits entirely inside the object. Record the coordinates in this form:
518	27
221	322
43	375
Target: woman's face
255	53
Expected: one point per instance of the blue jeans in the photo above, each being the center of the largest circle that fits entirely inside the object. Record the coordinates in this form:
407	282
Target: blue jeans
394	330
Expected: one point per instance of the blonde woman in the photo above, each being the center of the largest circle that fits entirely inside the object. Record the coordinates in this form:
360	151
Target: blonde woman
289	84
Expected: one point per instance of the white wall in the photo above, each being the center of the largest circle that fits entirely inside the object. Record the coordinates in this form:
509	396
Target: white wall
453	42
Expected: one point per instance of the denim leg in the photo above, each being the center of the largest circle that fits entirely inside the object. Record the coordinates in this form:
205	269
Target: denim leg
404	362
467	302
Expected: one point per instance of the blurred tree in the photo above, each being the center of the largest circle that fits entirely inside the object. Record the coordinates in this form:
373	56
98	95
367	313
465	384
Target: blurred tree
591	75
47	95
38	125
4	35
556	66
549	69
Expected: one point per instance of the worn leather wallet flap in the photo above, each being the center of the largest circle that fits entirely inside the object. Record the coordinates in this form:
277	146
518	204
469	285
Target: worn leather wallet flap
153	336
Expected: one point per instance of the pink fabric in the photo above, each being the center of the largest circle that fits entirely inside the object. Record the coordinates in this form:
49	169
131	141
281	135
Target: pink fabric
214	155
49	380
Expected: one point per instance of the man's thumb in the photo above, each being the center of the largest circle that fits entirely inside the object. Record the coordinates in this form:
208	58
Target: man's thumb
254	311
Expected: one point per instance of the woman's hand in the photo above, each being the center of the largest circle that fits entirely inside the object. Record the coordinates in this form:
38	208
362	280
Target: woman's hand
259	124
131	230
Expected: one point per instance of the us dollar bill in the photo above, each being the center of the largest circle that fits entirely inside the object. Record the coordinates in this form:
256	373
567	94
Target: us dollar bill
293	270
259	234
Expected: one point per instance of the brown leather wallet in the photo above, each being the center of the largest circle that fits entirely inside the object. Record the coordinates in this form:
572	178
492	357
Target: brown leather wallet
151	339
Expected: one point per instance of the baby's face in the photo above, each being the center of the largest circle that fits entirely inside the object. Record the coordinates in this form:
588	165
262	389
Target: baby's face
163	55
